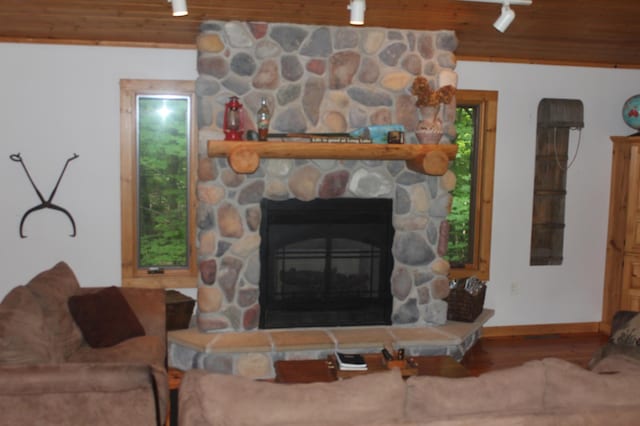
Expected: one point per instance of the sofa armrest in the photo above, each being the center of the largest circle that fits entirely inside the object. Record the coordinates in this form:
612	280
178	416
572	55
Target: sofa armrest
190	397
73	378
80	393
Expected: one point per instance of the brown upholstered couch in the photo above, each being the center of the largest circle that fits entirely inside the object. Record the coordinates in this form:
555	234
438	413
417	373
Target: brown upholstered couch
543	392
50	375
624	338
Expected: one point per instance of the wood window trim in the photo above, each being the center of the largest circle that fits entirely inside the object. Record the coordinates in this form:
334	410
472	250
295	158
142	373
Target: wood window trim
132	276
487	102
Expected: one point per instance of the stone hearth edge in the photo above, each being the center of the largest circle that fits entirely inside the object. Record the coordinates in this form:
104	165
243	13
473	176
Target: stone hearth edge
253	353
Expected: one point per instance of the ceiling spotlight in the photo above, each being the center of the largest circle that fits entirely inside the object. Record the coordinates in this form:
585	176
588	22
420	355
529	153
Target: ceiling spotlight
179	7
357	8
505	19
507	15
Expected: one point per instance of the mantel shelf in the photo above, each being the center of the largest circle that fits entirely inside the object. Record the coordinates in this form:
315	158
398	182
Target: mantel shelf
244	156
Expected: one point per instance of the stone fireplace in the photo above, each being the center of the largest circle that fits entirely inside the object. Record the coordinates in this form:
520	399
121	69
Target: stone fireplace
319	79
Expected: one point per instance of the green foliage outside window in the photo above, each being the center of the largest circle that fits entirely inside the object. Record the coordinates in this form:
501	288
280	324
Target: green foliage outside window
460	249
163	181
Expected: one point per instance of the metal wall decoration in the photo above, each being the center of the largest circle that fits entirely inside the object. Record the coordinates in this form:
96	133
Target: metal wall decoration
45	204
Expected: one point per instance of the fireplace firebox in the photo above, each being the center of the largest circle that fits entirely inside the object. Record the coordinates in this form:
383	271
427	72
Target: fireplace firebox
325	262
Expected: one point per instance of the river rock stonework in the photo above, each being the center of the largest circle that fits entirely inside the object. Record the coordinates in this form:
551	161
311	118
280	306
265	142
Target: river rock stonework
318	79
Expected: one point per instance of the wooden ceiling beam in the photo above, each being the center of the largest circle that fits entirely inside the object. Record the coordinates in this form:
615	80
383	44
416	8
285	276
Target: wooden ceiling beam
591	32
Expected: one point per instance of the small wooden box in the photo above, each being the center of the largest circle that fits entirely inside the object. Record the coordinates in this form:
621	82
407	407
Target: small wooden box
396	363
179	309
406	369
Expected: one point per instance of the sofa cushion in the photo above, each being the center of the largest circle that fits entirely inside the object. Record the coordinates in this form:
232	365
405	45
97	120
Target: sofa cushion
52	288
369	399
69	377
104	317
23	335
500	390
571	387
629	334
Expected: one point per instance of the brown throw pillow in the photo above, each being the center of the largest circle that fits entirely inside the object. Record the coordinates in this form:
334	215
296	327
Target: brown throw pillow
104	317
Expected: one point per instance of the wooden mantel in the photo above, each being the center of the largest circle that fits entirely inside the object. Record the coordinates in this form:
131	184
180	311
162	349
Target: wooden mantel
244	156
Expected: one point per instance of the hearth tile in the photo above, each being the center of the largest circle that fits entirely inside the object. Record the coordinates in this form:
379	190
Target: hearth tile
362	337
248	341
464	329
287	340
190	337
425	336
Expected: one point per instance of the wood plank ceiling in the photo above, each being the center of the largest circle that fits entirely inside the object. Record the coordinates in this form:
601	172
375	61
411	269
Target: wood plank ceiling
582	32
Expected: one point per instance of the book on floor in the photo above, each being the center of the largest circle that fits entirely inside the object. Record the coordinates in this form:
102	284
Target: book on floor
351	362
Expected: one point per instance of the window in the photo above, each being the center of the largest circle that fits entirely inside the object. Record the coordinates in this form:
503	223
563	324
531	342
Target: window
158	157
470	219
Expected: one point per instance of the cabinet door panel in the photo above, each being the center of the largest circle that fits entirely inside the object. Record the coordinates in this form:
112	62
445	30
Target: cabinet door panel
633	206
631	283
634	300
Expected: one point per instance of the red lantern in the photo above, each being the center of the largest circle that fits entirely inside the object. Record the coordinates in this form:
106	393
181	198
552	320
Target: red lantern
233	120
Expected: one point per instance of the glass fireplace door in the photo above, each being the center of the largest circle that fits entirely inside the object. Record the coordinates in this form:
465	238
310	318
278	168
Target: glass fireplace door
325	265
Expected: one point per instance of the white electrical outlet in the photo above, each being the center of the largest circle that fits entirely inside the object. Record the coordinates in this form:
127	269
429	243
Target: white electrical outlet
515	288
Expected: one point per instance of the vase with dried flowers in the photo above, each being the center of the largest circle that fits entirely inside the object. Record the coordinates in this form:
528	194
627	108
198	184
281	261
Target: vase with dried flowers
429	129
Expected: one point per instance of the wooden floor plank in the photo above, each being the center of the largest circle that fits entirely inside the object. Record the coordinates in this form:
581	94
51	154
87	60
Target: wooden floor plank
493	353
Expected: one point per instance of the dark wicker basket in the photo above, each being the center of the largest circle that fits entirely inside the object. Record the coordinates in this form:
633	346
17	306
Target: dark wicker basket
464	306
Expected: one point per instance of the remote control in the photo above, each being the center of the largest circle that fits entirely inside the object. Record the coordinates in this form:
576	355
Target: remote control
386	354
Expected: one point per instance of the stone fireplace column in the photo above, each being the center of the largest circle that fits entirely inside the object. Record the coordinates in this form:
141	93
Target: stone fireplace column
319	79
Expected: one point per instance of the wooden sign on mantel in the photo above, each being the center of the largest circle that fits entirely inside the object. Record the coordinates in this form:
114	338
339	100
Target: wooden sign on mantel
244	156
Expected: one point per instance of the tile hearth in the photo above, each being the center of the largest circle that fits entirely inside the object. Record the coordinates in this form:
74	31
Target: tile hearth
252	353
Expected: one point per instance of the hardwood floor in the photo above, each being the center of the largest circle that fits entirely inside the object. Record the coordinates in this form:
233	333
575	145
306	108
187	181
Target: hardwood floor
492	353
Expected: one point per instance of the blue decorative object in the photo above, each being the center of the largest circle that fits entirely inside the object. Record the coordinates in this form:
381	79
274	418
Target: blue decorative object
631	112
377	134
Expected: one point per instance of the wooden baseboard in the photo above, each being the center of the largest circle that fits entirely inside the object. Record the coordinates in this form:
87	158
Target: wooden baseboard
541	329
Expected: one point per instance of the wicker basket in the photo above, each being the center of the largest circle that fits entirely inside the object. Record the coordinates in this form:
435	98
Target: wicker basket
179	310
464	306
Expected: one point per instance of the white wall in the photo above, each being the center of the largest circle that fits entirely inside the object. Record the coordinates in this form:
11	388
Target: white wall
57	100
54	101
571	292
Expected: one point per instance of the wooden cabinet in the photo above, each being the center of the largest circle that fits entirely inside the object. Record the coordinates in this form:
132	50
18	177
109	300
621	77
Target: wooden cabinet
622	270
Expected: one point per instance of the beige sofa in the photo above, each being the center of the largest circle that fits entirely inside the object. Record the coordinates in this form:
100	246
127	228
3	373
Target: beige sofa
49	374
543	392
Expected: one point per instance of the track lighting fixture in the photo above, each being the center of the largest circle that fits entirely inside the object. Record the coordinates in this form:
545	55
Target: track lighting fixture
507	14
357	8
179	7
505	19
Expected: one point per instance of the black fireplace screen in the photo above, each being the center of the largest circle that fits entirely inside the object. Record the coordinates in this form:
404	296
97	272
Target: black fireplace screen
325	262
